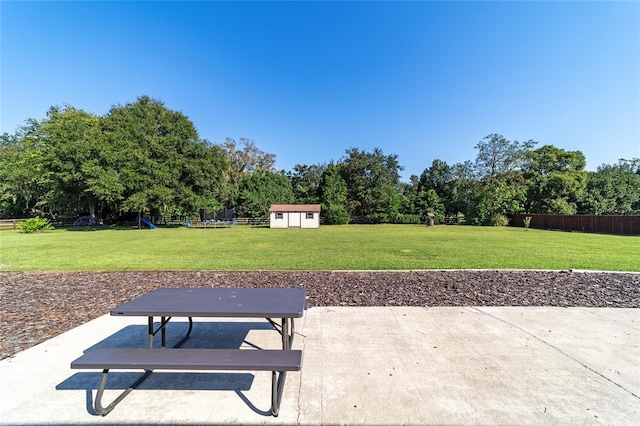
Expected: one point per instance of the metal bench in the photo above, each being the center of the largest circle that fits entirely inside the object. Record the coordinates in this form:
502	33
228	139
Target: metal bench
276	361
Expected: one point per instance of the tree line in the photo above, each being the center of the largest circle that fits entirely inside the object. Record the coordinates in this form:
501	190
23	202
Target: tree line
143	158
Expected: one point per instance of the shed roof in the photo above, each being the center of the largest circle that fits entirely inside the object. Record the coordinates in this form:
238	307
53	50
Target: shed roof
292	208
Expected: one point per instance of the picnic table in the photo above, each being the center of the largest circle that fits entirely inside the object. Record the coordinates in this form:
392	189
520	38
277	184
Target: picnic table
279	306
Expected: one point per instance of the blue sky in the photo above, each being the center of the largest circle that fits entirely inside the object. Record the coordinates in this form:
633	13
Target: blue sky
308	80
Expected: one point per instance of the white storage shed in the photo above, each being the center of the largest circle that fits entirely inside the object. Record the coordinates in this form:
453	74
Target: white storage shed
294	216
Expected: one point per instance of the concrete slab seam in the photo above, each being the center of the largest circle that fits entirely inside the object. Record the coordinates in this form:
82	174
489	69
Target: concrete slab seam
304	342
616	321
560	351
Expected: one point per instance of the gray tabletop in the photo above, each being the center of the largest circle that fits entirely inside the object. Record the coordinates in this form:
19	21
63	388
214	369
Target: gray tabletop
218	302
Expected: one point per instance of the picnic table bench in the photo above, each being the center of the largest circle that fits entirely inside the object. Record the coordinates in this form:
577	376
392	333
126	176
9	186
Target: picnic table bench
285	304
276	361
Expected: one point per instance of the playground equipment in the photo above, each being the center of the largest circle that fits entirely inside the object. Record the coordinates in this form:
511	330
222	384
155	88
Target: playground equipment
147	222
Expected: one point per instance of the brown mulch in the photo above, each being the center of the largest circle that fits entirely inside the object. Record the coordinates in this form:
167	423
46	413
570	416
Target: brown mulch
35	306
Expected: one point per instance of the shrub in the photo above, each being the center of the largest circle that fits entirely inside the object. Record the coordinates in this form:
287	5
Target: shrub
335	214
499	220
35	224
378	218
409	218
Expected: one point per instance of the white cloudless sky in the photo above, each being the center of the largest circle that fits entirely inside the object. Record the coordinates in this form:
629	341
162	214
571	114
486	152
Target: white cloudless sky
308	80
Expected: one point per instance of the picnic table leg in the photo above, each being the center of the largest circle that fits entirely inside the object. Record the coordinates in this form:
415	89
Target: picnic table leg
99	407
151	333
163	333
291	332
162	328
286	330
285	334
186	336
277	388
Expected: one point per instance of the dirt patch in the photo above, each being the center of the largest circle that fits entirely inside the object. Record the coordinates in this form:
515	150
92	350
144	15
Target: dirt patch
35	306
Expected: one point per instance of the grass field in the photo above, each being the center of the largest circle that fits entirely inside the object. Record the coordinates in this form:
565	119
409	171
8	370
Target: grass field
349	247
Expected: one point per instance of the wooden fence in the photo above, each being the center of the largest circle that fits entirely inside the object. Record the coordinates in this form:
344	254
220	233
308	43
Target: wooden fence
230	222
10	224
605	224
195	222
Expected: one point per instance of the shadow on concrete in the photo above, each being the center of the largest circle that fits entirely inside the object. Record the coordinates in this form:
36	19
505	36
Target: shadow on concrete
182	381
214	335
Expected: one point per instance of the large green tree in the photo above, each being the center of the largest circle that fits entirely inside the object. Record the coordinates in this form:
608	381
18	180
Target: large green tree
556	180
243	158
463	187
262	188
499	186
430	206
410	207
306	182
153	160
71	138
22	181
613	189
491	203
372	178
439	178
333	193
498	158
42	163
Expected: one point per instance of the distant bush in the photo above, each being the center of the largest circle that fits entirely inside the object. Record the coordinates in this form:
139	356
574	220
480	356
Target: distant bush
35	224
456	219
409	218
335	215
499	220
377	218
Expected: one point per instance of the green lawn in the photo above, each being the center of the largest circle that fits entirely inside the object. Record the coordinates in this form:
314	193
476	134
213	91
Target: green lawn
349	247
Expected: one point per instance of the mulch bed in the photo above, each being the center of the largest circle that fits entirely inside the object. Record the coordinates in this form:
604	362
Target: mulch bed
35	306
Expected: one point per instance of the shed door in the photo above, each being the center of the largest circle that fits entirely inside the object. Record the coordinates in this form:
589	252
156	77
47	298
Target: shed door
294	220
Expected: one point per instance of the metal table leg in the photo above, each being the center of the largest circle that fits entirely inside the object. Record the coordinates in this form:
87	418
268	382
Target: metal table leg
162	328
286	330
99	407
277	388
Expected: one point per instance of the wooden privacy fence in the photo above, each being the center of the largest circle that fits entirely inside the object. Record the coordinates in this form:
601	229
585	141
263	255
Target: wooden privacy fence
606	224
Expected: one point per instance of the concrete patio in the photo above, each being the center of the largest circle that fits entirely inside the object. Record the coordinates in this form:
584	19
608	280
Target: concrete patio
373	366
